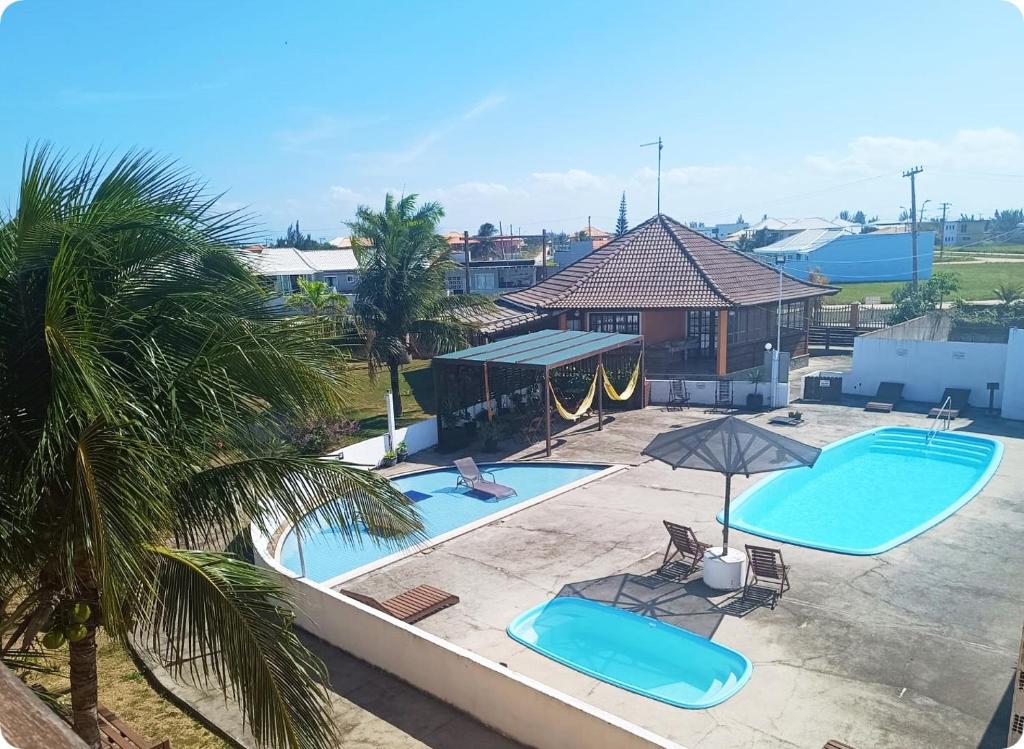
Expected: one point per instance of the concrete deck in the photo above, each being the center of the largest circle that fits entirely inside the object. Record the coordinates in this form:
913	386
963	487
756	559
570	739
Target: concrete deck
912	648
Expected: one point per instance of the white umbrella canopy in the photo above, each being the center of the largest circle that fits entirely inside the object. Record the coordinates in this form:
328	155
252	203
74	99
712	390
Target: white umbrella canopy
730	446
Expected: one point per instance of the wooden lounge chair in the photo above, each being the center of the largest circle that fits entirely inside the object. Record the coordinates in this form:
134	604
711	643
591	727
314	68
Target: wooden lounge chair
723	395
411	606
833	744
957	397
765	565
683	543
888	395
116	734
679	396
471	477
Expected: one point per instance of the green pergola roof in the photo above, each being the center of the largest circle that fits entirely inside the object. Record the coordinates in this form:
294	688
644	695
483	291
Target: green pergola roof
542	349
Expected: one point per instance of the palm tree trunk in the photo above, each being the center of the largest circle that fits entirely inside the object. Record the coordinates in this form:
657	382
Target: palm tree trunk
396	391
84	689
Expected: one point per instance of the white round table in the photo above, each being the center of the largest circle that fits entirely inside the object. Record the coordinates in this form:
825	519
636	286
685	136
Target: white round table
724	571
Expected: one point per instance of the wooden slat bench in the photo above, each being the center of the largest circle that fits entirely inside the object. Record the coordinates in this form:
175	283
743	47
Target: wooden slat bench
116	734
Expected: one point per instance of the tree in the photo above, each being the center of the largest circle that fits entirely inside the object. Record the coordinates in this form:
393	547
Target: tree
857	217
1007	221
316	297
401	298
295	238
904	215
142	381
485	233
909	302
622	225
1009	292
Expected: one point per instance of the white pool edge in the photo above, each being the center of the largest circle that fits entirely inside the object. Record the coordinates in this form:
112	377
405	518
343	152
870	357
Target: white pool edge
263	543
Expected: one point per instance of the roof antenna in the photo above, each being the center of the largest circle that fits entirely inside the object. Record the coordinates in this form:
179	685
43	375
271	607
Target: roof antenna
657	143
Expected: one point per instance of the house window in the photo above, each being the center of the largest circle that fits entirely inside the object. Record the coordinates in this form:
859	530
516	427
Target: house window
350	278
615	322
331	281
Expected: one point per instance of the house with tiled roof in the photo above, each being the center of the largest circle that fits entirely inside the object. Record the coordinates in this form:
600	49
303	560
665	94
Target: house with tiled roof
700	305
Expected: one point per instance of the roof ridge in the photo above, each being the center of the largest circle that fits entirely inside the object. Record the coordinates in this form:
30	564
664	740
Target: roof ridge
696	264
609	254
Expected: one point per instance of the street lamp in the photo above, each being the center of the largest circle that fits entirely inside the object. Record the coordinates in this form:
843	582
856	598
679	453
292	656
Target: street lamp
780	260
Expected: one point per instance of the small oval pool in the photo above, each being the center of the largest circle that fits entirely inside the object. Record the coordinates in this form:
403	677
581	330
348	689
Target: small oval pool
445	509
871	491
634	652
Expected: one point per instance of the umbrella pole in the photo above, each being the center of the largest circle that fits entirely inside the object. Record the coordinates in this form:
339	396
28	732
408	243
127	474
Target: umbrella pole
725	525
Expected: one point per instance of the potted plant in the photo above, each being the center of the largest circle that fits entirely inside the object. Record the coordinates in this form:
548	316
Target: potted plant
755	400
389	459
402	451
797	415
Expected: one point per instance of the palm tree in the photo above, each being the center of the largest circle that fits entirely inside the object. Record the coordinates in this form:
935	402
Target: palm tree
317	298
1009	292
401	293
142	377
486	234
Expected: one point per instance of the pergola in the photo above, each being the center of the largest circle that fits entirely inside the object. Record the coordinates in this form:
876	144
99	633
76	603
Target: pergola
512	378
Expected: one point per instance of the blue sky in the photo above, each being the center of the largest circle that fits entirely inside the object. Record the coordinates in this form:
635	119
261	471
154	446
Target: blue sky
532	113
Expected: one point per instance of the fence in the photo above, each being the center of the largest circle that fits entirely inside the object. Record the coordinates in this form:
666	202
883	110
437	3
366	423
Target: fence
854	316
418	436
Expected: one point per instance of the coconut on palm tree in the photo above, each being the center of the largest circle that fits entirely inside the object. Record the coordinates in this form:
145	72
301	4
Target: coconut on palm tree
401	297
143	378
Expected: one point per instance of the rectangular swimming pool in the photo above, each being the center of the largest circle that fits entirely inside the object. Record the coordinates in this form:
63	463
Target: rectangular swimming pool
871	491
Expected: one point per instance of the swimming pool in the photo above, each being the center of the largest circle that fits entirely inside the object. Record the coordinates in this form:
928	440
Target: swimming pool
634	652
444	508
871	491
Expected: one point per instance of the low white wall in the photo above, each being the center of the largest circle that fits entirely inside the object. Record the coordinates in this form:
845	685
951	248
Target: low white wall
418	436
702	392
519	707
1013	380
926	368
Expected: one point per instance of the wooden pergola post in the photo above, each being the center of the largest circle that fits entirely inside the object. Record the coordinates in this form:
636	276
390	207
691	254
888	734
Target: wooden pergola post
600	392
722	339
547	408
487	395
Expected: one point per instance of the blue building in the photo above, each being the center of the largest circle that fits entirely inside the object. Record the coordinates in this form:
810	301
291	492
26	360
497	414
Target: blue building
845	257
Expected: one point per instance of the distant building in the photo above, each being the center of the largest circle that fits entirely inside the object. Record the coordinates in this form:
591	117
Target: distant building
491	277
504	245
284	266
775	229
843	256
955	231
718	231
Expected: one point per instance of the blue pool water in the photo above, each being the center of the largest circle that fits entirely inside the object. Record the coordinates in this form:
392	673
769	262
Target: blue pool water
634	652
870	492
443	507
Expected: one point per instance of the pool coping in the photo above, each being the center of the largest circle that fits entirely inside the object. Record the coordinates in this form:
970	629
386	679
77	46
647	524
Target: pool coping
534	611
273	555
951	509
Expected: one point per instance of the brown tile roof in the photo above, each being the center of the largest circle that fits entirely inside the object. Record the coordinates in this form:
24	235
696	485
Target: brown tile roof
662	263
502	316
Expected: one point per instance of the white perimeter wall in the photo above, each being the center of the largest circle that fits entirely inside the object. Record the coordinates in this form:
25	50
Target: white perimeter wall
1013	382
418	436
519	707
702	392
928	367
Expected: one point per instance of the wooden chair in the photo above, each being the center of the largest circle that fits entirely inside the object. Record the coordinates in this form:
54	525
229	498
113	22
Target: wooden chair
683	543
679	396
723	395
411	606
765	565
116	734
888	395
957	398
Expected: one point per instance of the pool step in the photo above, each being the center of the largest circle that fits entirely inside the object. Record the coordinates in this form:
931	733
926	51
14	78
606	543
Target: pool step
938	438
938	446
934	455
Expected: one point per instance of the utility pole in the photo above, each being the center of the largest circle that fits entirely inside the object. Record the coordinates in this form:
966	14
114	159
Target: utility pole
543	254
913	172
465	258
942	235
659	144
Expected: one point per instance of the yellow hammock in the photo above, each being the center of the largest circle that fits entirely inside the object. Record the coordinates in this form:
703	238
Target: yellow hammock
584	405
626	394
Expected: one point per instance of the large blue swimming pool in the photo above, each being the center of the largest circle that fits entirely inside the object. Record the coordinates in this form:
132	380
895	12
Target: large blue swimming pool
443	507
870	492
634	652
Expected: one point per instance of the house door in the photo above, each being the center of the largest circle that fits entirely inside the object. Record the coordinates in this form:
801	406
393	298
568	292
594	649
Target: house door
700	326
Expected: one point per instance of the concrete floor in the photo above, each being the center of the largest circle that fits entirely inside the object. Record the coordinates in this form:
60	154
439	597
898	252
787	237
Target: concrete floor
912	648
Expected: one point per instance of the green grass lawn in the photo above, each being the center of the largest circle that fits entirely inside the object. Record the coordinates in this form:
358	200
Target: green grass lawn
976	282
366	400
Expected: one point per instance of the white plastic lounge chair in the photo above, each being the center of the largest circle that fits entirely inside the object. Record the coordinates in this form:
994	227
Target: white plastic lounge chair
471	476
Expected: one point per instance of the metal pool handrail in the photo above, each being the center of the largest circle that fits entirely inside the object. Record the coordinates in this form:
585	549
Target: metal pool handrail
943	415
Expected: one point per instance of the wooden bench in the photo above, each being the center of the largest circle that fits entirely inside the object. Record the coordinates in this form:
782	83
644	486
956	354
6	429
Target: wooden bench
116	734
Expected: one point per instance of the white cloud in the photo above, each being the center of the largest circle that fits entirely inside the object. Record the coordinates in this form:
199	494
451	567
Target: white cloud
571	180
476	189
345	195
486	104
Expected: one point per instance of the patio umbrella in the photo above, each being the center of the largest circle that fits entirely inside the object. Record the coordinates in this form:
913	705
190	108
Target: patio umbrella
730	446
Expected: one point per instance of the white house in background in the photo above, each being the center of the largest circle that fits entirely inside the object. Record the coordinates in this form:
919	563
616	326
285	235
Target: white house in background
718	231
284	266
780	228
